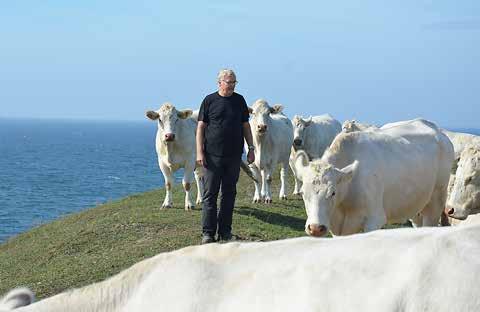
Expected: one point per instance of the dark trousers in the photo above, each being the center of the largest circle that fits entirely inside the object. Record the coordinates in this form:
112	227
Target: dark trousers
221	173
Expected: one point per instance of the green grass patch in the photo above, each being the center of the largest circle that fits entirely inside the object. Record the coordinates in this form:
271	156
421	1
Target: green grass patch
89	246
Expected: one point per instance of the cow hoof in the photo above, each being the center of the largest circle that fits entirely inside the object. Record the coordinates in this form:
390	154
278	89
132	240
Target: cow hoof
257	200
268	200
165	206
283	197
191	207
297	194
199	202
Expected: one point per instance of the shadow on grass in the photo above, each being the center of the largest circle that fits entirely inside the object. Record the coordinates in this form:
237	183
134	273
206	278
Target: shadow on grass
272	217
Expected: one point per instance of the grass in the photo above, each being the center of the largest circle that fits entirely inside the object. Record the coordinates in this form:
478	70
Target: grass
89	246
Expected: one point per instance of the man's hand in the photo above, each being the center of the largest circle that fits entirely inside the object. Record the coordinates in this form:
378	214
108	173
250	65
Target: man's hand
250	156
201	161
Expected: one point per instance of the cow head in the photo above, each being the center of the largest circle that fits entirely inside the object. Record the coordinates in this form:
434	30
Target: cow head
323	188
464	196
167	117
261	119
350	126
299	126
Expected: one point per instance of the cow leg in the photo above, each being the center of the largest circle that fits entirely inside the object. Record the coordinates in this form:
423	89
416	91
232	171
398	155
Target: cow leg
257	198
417	220
433	210
168	177
198	178
375	222
267	181
187	185
376	217
298	183
284	182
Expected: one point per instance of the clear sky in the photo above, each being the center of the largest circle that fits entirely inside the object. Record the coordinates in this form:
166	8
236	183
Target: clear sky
375	61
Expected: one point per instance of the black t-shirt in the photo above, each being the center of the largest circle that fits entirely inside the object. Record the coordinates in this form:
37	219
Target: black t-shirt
224	117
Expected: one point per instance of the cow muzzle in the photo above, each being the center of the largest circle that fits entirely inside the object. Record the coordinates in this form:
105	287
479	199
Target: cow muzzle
316	230
455	213
297	142
262	128
169	137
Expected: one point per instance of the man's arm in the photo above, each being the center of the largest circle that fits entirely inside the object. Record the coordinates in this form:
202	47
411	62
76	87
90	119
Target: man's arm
199	140
247	134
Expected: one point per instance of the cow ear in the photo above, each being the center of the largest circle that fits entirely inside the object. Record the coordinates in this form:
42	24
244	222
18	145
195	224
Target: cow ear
308	121
250	110
277	108
300	163
346	173
152	115
18	298
183	114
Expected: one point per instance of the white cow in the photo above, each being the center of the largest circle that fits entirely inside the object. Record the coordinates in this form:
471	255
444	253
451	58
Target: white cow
175	145
272	138
464	195
367	179
461	140
353	125
411	270
312	135
470	220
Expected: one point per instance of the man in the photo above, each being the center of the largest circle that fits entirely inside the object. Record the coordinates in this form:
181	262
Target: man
222	126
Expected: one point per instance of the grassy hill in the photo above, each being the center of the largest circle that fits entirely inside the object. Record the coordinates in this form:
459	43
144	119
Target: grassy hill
92	245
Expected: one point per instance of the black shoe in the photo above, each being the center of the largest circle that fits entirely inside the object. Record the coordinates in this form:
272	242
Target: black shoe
207	239
226	237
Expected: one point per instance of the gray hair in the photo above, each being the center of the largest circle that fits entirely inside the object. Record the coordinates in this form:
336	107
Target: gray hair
225	72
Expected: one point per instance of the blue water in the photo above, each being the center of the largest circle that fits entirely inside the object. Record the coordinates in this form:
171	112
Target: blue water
51	168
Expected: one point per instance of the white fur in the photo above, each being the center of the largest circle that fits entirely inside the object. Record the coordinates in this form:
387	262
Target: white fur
367	179
353	125
461	140
411	270
271	148
464	188
315	134
179	153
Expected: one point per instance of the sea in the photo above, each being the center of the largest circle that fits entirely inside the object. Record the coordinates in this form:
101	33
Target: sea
50	168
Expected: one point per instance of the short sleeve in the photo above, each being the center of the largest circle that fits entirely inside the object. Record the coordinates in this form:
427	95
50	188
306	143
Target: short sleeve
203	112
245	112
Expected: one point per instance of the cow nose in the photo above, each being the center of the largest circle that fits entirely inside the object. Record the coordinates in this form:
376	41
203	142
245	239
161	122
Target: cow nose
169	137
262	128
297	142
317	230
450	211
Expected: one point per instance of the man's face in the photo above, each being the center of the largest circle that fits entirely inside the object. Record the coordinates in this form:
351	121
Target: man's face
226	85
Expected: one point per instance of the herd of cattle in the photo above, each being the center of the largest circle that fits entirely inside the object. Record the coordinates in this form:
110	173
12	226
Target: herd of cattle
355	177
352	177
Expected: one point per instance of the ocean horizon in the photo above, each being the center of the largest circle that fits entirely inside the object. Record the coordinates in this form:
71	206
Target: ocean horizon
53	167
50	168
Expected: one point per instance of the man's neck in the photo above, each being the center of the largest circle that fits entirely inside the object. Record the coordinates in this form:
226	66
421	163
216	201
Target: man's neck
224	94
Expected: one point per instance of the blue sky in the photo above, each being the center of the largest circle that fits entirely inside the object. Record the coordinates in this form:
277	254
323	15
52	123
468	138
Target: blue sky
375	61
